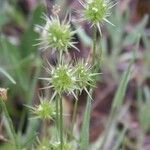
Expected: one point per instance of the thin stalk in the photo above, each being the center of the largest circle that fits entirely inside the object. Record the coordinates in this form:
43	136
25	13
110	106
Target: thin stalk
57	114
44	128
94	45
74	116
61	124
9	121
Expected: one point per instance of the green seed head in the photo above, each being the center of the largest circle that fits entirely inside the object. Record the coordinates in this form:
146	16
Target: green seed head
63	79
45	110
95	11
83	75
56	35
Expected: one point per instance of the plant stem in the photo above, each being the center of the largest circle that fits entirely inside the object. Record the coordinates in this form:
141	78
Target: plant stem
61	124
74	116
94	45
57	114
44	128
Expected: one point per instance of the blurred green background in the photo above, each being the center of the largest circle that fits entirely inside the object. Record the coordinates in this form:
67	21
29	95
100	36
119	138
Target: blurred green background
21	65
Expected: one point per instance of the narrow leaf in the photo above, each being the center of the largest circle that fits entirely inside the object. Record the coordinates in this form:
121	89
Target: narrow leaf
119	96
84	138
7	75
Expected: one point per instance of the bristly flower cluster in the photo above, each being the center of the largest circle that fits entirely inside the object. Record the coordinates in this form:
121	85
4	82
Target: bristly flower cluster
62	79
96	12
56	35
84	76
67	78
45	110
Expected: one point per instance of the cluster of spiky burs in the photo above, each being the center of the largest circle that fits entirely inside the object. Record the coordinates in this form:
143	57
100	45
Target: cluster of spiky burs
64	77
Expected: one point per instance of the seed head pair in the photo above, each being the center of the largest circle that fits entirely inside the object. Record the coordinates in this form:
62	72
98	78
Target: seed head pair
69	79
58	35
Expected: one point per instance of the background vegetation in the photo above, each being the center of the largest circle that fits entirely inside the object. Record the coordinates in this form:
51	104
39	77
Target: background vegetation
119	115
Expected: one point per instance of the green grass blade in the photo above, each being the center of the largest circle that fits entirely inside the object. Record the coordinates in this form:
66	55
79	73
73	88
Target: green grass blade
120	139
117	102
7	75
119	96
84	138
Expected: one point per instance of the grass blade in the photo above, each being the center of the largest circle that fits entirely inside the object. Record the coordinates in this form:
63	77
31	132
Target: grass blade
7	75
84	138
117	102
120	139
119	96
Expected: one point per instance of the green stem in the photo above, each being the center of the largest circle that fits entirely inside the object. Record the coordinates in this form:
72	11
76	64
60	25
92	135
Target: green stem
94	45
10	124
57	114
74	116
44	128
61	124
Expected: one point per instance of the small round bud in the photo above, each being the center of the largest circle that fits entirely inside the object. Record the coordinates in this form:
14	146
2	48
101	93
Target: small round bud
56	35
85	77
45	110
82	72
63	79
95	11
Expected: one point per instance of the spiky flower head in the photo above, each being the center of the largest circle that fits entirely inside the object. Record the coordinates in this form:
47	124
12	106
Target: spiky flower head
96	11
45	110
61	79
56	35
85	77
